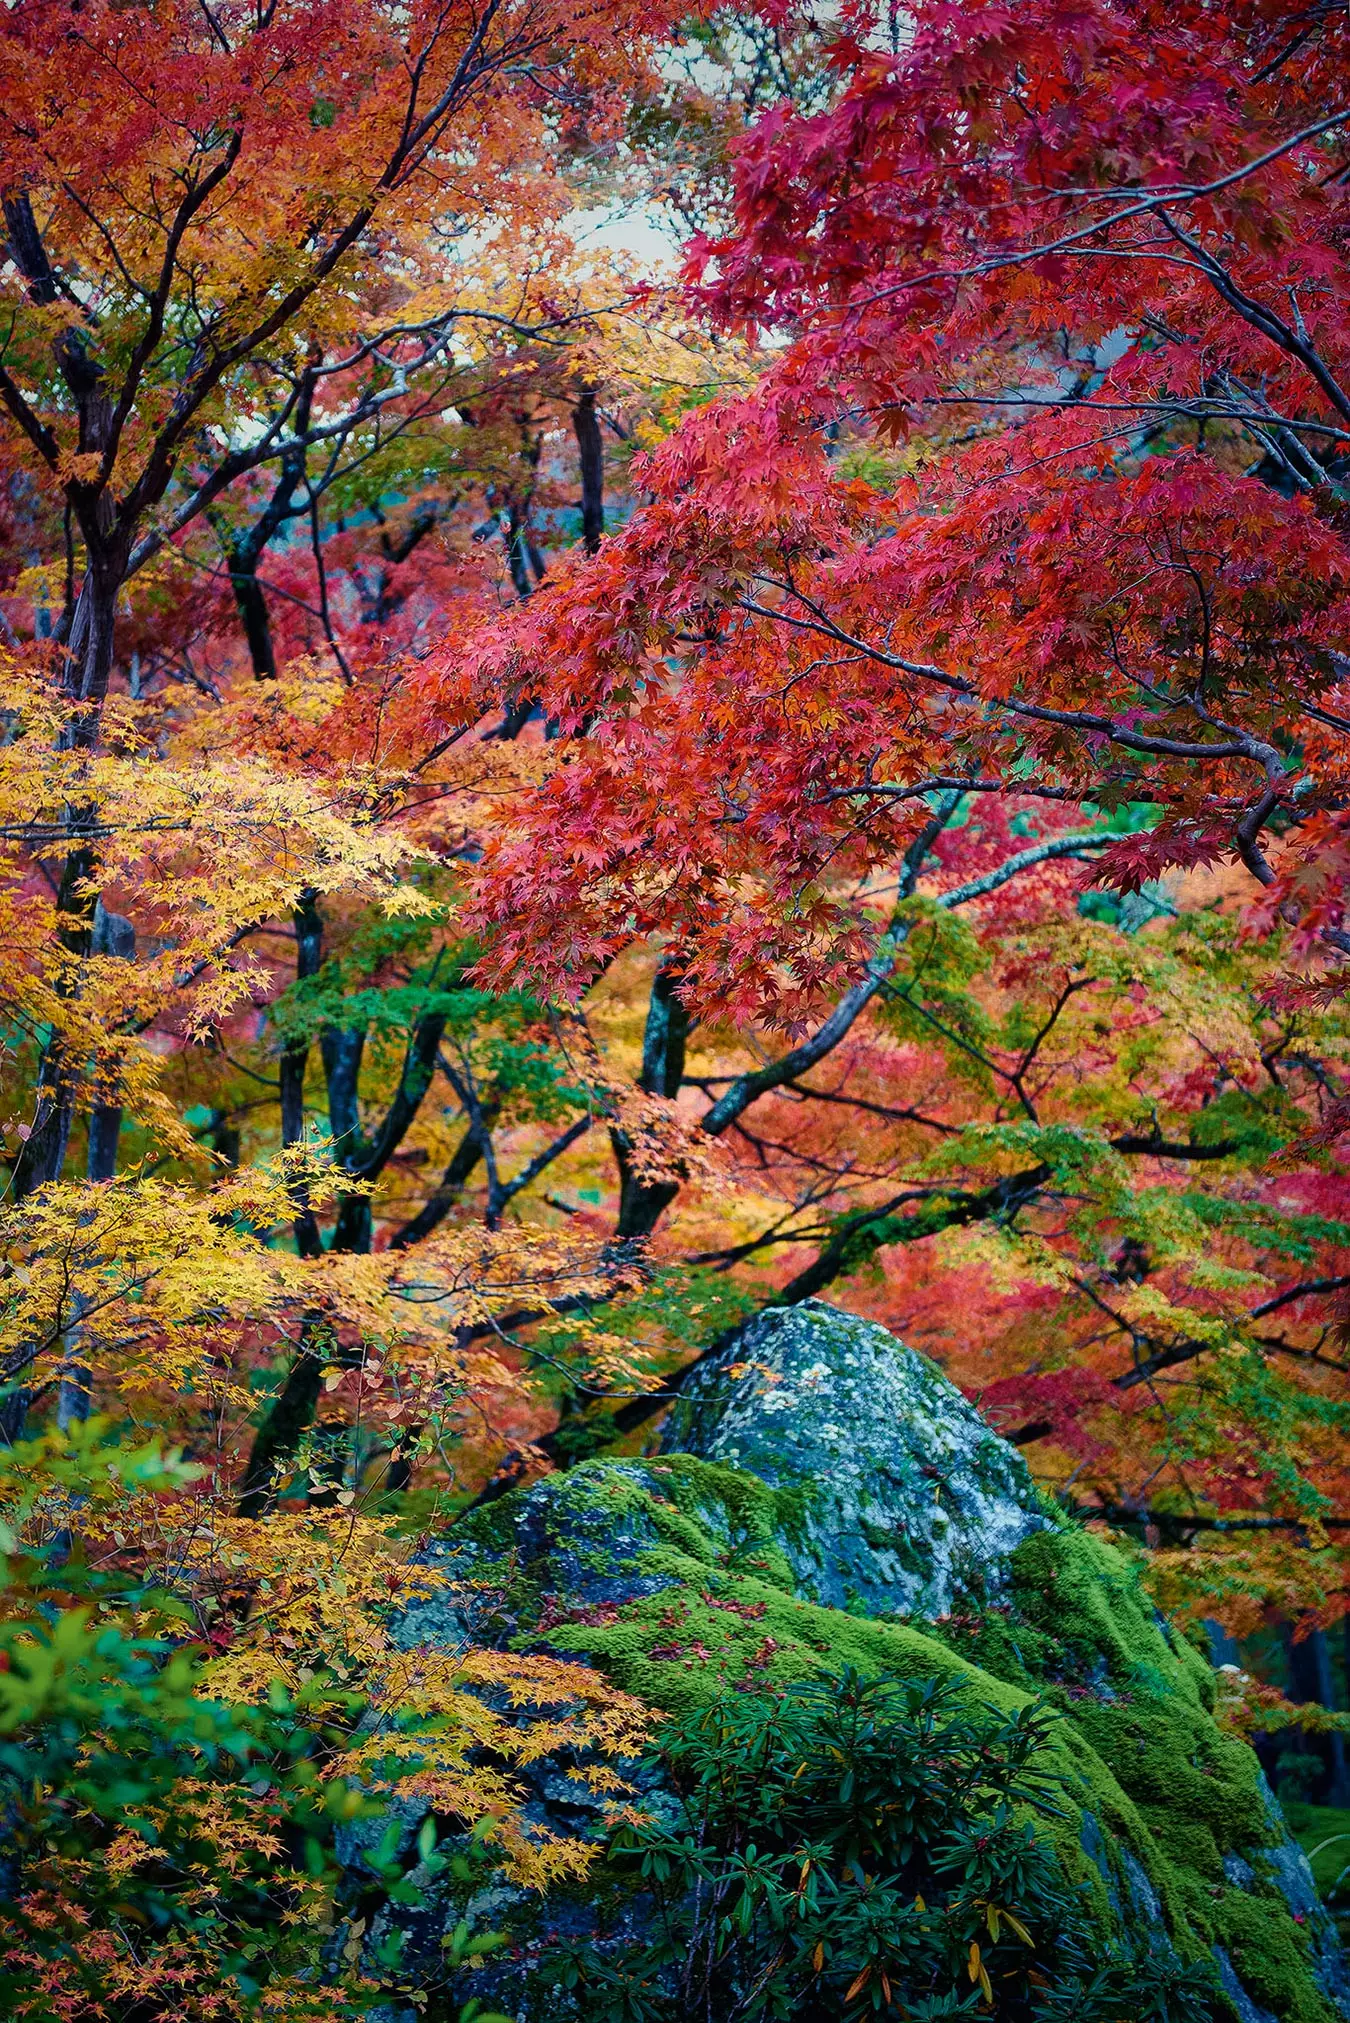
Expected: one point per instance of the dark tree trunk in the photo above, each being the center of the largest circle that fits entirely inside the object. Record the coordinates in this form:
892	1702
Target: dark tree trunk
112	935
245	548
354	1228
251	604
343	1048
42	1156
343	1051
399	1473
43	1153
462	1164
87	669
293	1408
285	1425
26	247
89	659
665	1038
105	1129
224	1137
1311	1681
522	557
295	1060
586	426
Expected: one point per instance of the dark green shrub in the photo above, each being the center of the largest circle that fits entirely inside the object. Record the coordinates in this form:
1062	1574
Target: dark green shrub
846	1849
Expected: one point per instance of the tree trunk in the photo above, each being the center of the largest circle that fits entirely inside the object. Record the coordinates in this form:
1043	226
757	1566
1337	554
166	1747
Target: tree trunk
1311	1680
460	1169
295	1060
245	547
665	1038
522	556
89	657
282	1430
43	1155
113	935
343	1051
251	604
88	667
586	426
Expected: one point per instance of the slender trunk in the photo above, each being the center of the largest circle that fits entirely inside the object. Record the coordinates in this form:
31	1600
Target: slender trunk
343	1051
295	1060
518	714
462	1163
284	1427
14	1400
88	667
1311	1680
245	547
520	551
112	935
224	1137
354	1228
522	557
665	1038
366	1158
27	250
89	657
1338	1785
75	1387
43	1155
293	1408
105	1129
90	646
399	1474
586	426
1338	1770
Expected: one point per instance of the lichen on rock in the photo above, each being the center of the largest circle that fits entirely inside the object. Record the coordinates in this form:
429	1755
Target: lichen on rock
909	1503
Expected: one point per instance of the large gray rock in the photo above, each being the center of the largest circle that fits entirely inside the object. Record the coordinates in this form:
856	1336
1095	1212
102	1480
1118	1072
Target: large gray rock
908	1502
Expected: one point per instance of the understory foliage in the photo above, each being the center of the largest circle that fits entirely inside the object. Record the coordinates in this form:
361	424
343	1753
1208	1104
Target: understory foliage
844	1849
553	793
170	1814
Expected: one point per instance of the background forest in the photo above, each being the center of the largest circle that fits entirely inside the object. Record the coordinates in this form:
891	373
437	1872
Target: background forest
652	664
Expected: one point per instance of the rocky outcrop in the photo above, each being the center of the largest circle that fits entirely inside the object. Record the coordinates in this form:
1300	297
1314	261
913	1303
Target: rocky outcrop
833	1500
908	1503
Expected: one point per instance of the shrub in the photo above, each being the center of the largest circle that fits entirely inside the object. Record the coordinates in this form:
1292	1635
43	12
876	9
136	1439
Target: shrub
847	1849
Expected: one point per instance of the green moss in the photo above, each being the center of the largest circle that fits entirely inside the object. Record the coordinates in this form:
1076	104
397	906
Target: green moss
719	1623
1090	1604
1270	1954
1082	1628
1147	1777
745	1514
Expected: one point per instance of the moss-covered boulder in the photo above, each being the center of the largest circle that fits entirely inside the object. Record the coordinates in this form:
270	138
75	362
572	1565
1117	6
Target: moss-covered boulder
684	1575
907	1502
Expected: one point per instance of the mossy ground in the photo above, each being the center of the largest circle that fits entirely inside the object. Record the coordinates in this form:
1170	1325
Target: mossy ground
1323	1832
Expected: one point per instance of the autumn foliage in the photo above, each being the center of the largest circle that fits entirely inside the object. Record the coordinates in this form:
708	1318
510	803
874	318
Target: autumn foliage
549	799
